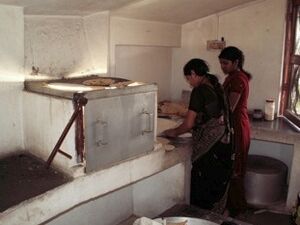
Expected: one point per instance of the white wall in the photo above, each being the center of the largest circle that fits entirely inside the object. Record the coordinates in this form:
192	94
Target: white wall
11	41
69	45
66	45
45	118
146	64
97	35
193	45
11	133
259	31
257	28
141	50
11	78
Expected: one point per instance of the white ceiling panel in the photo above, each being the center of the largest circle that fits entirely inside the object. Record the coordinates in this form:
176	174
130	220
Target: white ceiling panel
169	11
175	11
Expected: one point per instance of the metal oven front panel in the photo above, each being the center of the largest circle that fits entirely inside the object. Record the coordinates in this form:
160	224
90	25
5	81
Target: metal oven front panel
118	128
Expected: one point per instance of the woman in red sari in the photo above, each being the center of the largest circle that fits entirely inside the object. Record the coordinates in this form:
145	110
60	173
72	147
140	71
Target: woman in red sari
236	86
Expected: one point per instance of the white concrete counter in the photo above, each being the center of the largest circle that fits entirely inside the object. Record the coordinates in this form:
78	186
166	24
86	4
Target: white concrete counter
82	189
46	208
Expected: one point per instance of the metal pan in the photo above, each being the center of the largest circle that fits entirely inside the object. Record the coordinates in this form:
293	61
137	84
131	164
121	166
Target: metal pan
181	220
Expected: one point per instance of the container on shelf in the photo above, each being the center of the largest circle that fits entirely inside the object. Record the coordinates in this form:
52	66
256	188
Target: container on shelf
269	109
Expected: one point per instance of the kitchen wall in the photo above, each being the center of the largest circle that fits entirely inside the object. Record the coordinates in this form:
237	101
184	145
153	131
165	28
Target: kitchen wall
11	78
142	51
97	36
141	33
42	128
146	64
60	46
66	45
257	28
103	43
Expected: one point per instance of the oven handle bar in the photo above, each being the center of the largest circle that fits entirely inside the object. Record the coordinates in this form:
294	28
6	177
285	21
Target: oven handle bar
102	128
150	119
80	102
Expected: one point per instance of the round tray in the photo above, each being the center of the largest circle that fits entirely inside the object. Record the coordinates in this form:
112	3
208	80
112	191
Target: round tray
181	220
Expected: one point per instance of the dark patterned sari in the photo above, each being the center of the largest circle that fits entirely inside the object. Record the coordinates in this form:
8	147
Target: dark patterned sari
212	150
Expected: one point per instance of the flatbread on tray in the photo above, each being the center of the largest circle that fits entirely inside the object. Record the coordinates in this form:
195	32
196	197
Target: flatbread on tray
162	140
121	84
99	82
169	147
172	108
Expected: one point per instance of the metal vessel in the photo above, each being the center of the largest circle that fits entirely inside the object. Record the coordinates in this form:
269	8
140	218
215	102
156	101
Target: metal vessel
265	181
184	221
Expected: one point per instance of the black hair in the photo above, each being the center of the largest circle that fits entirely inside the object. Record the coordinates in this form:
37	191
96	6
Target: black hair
201	68
233	53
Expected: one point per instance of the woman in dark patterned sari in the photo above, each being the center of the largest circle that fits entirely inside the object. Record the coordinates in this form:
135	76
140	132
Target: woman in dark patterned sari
208	119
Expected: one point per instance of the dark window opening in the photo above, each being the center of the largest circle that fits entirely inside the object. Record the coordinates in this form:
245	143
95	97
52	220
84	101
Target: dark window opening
290	94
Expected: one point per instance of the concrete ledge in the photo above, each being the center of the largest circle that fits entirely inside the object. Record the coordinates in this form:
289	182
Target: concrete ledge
48	205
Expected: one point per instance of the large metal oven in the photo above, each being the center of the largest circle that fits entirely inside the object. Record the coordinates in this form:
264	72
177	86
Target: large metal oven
118	120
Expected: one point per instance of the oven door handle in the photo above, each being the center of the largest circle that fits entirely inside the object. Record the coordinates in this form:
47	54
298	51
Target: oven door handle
101	131
150	122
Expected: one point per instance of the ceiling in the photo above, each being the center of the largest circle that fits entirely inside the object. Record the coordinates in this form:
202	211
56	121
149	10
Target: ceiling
170	11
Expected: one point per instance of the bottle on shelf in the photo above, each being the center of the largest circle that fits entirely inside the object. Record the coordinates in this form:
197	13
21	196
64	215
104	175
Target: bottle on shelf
269	109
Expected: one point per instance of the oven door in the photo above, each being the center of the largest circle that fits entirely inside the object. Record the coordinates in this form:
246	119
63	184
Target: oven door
118	128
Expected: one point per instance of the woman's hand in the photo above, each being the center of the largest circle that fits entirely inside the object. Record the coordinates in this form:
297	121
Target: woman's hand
186	125
170	133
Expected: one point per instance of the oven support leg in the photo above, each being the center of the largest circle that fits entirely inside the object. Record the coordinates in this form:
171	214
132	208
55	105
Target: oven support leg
79	101
79	130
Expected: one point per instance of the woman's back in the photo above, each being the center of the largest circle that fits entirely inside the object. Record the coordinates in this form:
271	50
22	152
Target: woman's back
205	101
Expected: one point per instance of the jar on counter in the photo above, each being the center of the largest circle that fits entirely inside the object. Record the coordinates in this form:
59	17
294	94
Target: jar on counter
269	109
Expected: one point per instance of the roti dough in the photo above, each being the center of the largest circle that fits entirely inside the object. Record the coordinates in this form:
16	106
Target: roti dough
98	82
162	140
164	124
169	147
172	108
177	223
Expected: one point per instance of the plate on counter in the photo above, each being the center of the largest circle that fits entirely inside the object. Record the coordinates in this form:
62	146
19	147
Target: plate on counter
184	221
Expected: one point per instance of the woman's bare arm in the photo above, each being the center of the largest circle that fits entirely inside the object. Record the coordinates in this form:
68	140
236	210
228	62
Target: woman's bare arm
234	98
186	125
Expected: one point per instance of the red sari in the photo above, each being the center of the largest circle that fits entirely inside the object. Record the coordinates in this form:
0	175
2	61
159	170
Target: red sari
239	83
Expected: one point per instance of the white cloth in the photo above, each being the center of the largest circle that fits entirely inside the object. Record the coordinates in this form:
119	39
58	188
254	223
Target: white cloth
145	221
